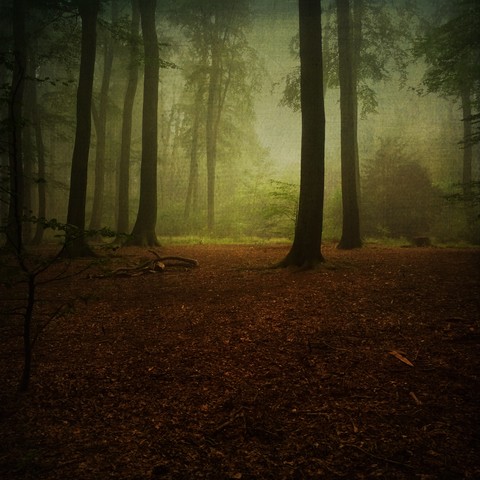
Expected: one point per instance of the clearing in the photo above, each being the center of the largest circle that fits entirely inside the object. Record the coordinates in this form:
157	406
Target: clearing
366	367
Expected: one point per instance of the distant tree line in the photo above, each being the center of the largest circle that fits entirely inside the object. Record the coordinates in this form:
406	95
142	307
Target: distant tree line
119	114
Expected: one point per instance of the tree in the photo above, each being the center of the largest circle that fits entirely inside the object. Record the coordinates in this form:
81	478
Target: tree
76	243
451	51
100	122
191	201
218	54
402	201
306	248
348	134
15	117
123	222
143	232
40	155
378	35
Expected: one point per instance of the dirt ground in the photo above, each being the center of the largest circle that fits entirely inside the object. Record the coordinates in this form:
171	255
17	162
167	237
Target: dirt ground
367	367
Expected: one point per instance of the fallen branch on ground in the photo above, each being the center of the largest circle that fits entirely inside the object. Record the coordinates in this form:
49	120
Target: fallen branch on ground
151	266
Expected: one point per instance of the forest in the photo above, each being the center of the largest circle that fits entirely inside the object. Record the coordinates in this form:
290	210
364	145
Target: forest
239	239
227	146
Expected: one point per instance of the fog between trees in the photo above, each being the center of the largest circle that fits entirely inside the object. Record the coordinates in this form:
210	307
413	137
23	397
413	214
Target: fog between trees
228	127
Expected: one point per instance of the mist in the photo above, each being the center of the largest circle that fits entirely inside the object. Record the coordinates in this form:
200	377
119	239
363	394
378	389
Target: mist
257	138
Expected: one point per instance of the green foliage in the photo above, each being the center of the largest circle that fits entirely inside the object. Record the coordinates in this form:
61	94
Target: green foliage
451	48
398	196
381	34
468	194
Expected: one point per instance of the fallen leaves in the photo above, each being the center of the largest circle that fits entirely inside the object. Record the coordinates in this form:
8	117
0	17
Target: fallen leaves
401	356
230	371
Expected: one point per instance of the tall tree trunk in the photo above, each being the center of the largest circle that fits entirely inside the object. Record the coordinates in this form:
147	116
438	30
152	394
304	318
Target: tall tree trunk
123	224
143	232
212	131
76	244
348	113
16	194
101	127
28	161
191	202
467	179
467	134
38	153
306	248
41	174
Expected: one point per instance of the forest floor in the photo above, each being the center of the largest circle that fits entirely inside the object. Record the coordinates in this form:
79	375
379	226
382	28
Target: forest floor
367	367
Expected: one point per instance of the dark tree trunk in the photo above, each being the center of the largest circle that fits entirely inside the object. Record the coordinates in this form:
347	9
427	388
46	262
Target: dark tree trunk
41	182
143	232
123	224
76	244
101	128
358	20
348	114
28	148
16	194
306	248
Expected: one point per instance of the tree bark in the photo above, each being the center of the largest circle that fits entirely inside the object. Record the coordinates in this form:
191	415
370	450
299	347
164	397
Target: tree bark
348	114
123	223
41	173
76	244
212	130
306	248
467	147
191	202
16	194
143	232
101	127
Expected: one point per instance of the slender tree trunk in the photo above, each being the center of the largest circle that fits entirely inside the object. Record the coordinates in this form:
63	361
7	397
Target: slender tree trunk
212	131
37	179
468	147
16	205
41	174
76	244
123	224
358	20
101	127
28	135
143	232
306	248
191	203
467	178
348	113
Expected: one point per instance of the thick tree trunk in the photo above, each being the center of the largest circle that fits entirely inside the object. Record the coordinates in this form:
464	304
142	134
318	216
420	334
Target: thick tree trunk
101	128
306	248
123	224
143	232
16	194
76	244
348	114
